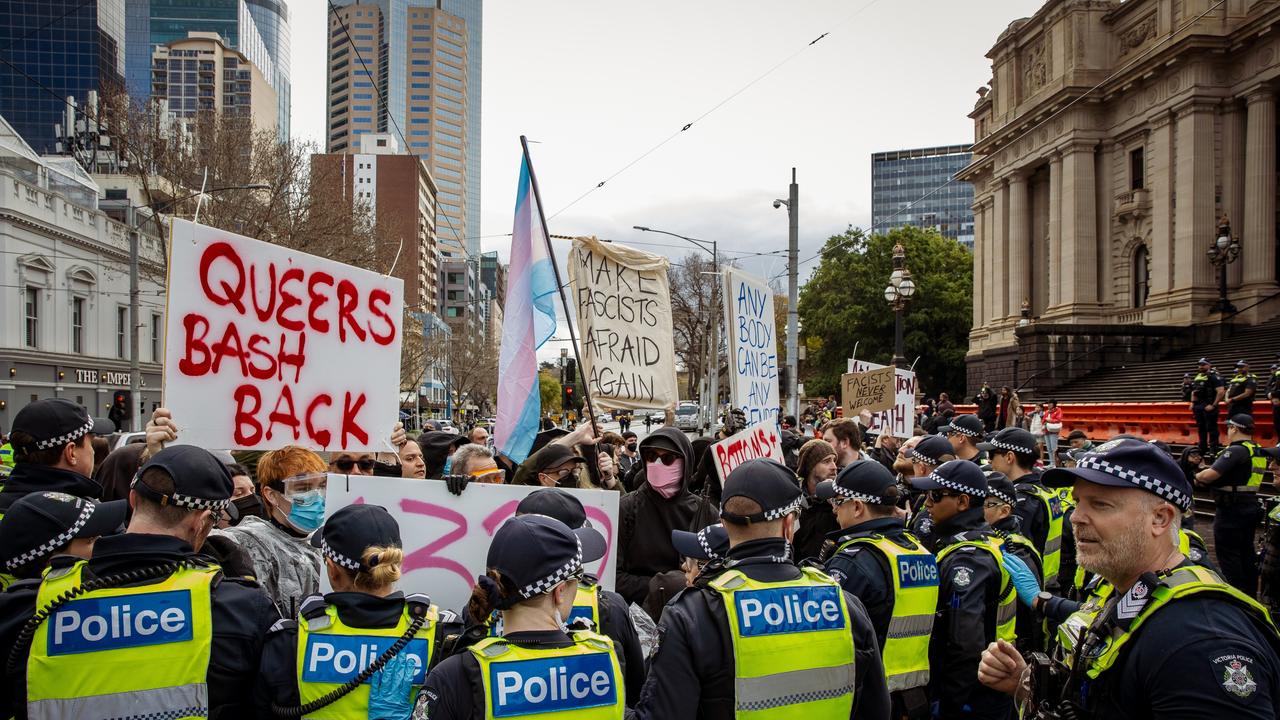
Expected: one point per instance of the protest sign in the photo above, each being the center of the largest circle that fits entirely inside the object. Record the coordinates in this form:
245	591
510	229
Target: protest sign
623	304
757	441
752	340
872	391
446	537
262	346
899	420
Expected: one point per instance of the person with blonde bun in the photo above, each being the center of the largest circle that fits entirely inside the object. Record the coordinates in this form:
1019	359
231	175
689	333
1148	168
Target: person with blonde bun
363	650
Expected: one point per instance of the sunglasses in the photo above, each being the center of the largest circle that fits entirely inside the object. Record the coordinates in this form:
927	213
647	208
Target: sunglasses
345	464
666	458
938	495
993	504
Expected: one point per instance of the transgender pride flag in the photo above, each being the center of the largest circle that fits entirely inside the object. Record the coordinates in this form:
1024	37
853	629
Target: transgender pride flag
529	320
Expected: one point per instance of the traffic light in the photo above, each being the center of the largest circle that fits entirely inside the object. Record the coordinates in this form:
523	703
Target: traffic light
567	400
119	408
570	371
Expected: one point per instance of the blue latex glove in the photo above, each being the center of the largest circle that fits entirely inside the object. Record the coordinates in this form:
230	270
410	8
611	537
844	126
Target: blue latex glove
391	689
1024	580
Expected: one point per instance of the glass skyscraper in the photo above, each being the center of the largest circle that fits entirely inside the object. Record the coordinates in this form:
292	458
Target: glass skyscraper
472	11
900	178
62	48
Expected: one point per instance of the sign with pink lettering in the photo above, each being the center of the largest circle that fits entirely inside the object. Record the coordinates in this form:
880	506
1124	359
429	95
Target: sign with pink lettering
266	347
446	537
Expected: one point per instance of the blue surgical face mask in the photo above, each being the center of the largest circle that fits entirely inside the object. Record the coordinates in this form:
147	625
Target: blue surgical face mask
448	465
306	510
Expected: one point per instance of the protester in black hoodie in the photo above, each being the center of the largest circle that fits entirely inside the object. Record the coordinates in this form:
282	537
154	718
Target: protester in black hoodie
437	446
661	503
53	448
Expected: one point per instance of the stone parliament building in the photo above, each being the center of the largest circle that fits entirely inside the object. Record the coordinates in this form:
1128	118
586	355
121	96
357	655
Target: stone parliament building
1110	143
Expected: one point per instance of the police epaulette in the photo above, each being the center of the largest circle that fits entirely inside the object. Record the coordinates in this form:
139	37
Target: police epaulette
282	624
28	583
313	606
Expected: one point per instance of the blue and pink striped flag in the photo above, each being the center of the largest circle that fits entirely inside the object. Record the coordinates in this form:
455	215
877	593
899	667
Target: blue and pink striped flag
529	320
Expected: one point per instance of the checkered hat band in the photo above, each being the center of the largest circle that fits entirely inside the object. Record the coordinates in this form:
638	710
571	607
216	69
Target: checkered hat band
1002	497
706	546
965	431
555	578
47	547
1010	447
952	485
851	495
66	438
771	515
338	557
922	458
1146	482
189	502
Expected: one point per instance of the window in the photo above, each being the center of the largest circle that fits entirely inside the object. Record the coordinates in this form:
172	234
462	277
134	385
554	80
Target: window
1141	276
1136	170
32	312
122	331
156	329
77	325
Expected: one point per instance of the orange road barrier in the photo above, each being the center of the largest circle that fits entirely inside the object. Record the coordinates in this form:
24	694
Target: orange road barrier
1171	422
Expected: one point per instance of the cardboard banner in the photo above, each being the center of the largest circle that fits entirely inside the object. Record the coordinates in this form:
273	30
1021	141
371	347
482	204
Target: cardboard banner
872	391
751	336
757	441
899	420
623	300
446	537
266	347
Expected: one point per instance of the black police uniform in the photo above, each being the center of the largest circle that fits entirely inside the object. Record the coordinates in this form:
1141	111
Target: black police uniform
1034	524
691	674
968	596
864	573
1242	382
1273	394
27	478
1237	513
1204	399
241	617
1030	630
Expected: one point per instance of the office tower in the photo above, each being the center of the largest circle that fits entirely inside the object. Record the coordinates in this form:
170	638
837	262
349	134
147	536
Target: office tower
58	49
472	13
272	19
201	73
902	191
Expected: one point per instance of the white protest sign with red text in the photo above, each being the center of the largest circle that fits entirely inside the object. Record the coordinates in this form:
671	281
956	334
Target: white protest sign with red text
759	440
899	420
446	537
266	347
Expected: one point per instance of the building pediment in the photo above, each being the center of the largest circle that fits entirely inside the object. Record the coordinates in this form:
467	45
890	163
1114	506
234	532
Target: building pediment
37	262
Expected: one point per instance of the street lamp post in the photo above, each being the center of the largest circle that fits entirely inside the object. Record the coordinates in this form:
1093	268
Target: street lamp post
899	290
1222	252
713	373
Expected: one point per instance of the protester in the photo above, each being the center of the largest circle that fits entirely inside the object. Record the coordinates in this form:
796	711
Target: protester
53	451
1077	440
477	463
116	472
411	463
1052	426
1235	478
986	401
607	466
437	446
532	571
846	437
817	464
363	555
945	408
699	672
479	435
293	484
1035	426
207	652
629	454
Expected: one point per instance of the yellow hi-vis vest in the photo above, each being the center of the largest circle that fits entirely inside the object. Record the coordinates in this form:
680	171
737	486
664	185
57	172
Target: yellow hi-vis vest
1258	467
792	646
586	605
1055	511
1007	606
579	682
915	602
126	652
331	653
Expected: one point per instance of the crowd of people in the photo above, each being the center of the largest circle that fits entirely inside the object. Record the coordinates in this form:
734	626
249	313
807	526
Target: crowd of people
968	571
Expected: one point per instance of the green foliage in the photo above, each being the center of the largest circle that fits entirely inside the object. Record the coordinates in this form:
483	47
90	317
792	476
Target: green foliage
549	391
843	303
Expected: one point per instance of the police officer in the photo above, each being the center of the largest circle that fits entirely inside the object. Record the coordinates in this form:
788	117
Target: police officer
1236	476
709	546
1242	391
762	634
147	627
6	457
976	599
998	510
929	453
965	432
302	661
534	566
1174	639
1273	393
604	610
53	448
875	559
1013	452
1205	391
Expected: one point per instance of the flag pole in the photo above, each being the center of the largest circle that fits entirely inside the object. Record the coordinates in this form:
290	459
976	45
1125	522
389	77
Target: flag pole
555	267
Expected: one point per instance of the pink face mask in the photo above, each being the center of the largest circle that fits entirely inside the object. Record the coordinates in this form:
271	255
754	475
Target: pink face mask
665	478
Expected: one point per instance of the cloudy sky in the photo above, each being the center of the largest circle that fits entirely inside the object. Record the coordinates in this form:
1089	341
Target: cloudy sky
598	83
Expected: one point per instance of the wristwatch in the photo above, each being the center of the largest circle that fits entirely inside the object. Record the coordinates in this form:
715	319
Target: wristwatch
1042	597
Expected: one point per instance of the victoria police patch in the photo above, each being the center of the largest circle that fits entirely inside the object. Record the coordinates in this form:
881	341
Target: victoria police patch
1234	675
962	577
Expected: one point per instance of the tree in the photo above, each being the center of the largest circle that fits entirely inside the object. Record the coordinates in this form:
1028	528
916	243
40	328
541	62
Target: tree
843	304
695	304
549	391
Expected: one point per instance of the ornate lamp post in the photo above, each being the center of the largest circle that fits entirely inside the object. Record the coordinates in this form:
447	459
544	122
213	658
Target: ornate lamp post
1222	252
897	293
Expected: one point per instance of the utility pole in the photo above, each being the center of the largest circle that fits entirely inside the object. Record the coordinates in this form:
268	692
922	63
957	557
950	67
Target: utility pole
716	314
135	374
793	297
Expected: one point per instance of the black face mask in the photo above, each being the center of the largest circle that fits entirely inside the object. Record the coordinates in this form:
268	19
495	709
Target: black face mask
248	505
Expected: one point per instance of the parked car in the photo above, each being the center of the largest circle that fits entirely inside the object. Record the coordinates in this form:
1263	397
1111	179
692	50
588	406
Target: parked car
127	438
687	418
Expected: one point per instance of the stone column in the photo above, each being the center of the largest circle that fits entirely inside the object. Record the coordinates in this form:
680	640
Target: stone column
1194	219
979	272
1019	264
1055	229
1079	268
997	268
1160	172
1233	162
1258	236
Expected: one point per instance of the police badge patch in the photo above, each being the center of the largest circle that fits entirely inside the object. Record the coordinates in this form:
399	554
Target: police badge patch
1235	676
962	577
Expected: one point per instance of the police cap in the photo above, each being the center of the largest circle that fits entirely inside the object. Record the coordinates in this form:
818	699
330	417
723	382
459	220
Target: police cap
41	522
960	476
352	530
200	480
54	422
968	425
1127	463
563	506
1011	439
709	543
1241	421
536	553
931	450
865	480
1203	361
1001	488
769	483
1242	363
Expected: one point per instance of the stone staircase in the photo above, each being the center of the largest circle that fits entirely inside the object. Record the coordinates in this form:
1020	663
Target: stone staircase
1161	380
